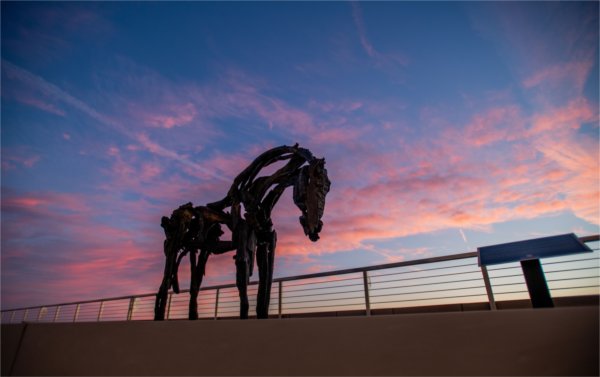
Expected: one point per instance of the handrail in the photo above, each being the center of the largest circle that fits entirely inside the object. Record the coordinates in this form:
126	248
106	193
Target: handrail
443	258
365	269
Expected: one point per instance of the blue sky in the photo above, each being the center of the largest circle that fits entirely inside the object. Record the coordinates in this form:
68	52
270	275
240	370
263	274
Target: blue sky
445	126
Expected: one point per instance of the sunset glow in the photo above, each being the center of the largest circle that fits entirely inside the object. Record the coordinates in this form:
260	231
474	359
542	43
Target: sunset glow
445	126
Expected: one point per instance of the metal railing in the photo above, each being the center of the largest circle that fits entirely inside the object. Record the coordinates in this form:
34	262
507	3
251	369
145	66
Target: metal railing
444	280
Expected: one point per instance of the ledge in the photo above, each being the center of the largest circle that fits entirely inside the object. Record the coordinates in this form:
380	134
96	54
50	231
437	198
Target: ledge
557	341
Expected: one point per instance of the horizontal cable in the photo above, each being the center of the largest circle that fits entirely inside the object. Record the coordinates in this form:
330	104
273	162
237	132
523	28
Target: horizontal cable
284	292
228	301
331	299
322	306
437	290
491	269
572	269
577	278
422	270
510	292
320	282
570	261
506	276
420	285
580	287
228	311
236	294
322	294
429	299
507	284
426	277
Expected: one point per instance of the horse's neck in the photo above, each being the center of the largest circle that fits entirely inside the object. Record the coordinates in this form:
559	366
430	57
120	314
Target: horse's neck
253	191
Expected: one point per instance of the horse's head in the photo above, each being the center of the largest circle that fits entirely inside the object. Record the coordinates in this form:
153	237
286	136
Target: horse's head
309	196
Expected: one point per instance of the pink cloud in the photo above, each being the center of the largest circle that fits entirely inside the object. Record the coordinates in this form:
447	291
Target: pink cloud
273	111
496	124
574	73
10	162
339	135
196	168
163	103
150	171
59	238
561	119
447	182
171	116
40	104
417	189
443	180
577	159
341	107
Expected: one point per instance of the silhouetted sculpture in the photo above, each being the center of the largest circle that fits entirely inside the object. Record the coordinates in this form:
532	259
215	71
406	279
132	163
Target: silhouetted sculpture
197	230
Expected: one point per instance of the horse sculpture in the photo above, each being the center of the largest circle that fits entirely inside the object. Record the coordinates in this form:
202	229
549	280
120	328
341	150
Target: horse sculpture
197	230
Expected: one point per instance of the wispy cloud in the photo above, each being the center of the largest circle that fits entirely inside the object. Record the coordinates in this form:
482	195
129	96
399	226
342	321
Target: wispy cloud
575	73
385	60
57	94
362	33
52	30
13	158
496	124
173	116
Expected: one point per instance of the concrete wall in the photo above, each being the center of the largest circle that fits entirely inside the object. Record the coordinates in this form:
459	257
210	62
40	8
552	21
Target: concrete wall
558	341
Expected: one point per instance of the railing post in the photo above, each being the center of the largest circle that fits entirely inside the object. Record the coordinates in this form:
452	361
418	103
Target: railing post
12	316
217	304
488	287
76	313
56	313
367	299
41	313
25	315
130	310
169	305
279	304
100	310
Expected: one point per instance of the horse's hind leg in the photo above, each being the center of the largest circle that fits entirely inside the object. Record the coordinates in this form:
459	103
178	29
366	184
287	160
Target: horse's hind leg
262	301
265	256
194	287
242	265
241	281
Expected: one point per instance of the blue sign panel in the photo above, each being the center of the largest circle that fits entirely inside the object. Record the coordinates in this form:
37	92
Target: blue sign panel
545	247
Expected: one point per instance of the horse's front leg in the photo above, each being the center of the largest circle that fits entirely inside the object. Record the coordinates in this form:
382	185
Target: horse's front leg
198	267
160	304
242	265
194	287
265	256
241	281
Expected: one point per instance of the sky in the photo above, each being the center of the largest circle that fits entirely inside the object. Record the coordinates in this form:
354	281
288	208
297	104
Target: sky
445	126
